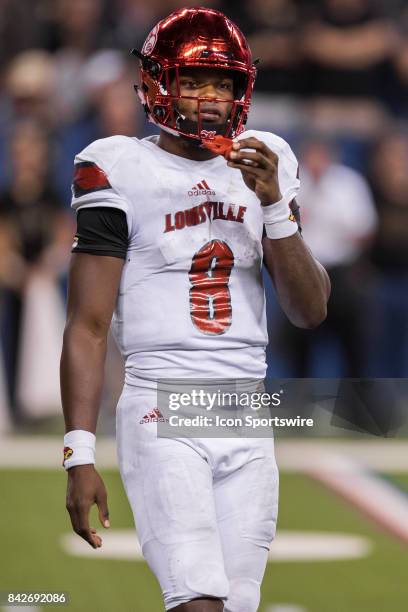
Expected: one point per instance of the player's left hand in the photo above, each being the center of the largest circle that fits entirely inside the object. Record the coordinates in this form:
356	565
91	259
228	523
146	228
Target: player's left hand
259	168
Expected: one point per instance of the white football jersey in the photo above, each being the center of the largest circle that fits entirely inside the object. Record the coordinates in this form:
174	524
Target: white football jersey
191	300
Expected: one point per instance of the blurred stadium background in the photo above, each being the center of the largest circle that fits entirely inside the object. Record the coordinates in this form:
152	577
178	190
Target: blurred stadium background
333	81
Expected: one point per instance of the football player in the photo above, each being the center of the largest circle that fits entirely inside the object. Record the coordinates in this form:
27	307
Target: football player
172	232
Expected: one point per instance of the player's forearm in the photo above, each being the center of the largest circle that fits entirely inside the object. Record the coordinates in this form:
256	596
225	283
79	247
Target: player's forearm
82	370
301	283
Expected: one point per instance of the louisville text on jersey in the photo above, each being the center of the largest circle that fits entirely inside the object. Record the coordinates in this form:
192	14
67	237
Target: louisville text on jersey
208	211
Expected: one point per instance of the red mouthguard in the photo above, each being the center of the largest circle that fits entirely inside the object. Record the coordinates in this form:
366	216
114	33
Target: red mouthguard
219	144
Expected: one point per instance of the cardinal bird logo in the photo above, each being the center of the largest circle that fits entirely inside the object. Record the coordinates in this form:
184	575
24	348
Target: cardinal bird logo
67	453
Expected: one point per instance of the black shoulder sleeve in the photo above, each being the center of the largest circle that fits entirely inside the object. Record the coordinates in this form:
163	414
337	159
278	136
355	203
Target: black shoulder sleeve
101	231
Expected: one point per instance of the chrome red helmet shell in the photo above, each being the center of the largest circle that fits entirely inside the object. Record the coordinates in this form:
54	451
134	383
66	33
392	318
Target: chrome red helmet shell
194	37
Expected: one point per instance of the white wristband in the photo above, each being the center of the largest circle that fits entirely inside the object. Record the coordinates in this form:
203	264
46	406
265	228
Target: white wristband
278	218
79	448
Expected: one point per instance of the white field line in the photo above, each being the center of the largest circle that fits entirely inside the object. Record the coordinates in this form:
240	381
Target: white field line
123	544
391	455
293	455
45	452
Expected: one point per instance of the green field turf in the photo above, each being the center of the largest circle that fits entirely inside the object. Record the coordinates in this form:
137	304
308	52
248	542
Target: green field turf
33	517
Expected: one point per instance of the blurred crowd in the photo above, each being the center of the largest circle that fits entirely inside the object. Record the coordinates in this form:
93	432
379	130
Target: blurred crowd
333	81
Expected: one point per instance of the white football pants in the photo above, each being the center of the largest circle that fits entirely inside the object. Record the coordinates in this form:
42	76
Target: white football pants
205	509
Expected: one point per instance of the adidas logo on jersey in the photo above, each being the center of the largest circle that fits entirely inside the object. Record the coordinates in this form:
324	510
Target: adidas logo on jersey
201	188
154	416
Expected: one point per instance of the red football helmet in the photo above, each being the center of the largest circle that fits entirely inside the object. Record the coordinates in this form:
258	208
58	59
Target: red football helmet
195	37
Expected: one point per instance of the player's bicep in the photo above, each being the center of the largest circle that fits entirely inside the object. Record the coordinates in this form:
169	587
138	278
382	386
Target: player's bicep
92	291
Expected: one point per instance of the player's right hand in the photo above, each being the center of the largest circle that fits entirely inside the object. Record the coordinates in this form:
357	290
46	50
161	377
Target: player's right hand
85	487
